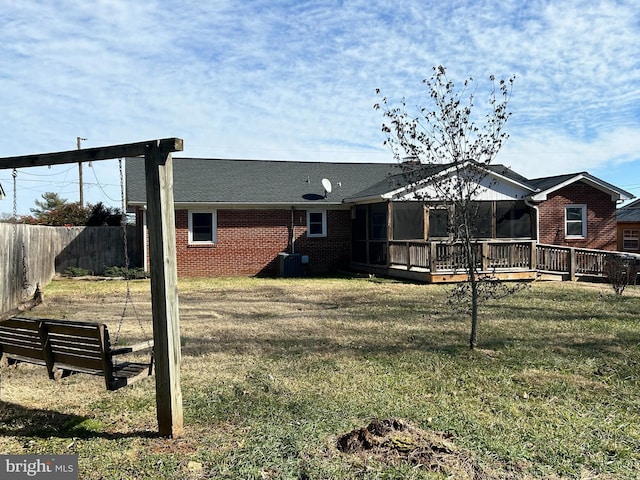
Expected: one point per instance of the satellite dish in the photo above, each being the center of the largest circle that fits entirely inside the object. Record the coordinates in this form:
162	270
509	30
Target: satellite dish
327	185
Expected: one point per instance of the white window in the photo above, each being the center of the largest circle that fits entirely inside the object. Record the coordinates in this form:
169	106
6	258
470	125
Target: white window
575	221
316	223
202	227
631	240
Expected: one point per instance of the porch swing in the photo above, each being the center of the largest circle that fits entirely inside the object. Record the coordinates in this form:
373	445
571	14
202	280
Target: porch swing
68	347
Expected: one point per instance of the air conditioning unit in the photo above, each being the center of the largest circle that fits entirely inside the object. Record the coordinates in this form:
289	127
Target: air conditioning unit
290	264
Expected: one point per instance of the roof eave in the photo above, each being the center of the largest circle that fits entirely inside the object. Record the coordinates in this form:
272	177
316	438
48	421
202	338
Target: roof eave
617	194
367	199
249	205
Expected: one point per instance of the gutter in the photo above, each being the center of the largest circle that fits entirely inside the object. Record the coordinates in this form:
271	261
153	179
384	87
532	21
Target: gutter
250	205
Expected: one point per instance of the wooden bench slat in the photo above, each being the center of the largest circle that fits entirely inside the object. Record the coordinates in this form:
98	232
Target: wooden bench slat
73	368
76	350
73	330
20	334
21	340
18	323
28	359
78	361
78	341
12	350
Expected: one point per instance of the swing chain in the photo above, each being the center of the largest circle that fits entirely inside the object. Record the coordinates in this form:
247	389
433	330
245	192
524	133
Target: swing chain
25	269
128	297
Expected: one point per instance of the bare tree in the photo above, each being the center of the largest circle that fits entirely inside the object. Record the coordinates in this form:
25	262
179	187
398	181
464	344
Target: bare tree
445	151
620	271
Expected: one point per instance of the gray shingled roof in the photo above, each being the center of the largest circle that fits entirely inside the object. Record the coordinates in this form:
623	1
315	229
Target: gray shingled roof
629	213
277	182
545	183
549	183
202	181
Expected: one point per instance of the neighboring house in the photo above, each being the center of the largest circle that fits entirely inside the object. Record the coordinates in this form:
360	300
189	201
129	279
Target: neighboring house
628	218
246	217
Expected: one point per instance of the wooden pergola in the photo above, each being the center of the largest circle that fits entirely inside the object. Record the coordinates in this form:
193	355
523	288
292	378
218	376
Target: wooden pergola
162	249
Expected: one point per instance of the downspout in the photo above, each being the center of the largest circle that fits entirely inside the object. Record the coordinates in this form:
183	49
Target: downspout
535	207
292	236
534	252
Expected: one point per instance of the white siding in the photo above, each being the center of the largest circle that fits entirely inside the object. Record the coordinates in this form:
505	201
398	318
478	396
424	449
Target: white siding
492	188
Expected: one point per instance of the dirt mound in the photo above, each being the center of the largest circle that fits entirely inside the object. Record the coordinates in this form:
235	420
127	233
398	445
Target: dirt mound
394	440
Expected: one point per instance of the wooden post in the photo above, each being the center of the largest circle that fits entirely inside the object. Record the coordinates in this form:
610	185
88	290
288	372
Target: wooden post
164	288
433	265
533	259
485	252
162	246
572	264
408	256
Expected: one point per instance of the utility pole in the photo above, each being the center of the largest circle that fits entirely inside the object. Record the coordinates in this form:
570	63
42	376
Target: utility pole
78	140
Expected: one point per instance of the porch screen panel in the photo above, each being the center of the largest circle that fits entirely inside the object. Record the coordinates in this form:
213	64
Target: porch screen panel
513	220
481	216
359	234
378	221
378	234
408	221
438	222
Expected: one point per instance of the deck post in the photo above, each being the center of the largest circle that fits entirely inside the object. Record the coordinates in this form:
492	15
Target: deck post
164	288
486	254
572	264
533	265
433	256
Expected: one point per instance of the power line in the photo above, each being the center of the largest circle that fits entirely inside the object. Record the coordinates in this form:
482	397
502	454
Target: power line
99	185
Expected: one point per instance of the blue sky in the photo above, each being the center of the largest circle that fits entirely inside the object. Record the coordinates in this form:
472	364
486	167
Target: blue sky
296	80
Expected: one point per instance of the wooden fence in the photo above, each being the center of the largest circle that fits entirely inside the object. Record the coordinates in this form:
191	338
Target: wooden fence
32	254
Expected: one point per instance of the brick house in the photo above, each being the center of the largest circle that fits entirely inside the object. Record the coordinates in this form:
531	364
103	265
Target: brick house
236	217
577	210
259	217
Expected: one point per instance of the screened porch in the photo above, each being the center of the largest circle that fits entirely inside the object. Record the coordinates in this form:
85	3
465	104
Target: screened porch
414	240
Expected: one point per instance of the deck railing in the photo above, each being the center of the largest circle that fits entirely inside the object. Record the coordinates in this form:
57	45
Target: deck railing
574	262
449	256
496	255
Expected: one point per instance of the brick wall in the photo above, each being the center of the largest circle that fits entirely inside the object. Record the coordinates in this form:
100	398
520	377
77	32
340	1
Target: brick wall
601	217
249	241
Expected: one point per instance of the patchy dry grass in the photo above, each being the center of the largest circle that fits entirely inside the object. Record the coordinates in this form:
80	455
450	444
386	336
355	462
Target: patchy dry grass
276	371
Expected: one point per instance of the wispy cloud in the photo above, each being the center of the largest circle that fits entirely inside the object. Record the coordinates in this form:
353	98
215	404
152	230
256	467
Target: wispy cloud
297	79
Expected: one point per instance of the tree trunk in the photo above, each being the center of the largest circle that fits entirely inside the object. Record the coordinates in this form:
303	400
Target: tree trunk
473	340
28	305
473	280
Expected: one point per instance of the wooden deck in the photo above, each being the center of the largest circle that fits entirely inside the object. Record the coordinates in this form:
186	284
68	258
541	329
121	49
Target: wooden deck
442	262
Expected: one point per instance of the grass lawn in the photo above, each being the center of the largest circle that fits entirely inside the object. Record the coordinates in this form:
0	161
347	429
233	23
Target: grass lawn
277	373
